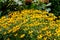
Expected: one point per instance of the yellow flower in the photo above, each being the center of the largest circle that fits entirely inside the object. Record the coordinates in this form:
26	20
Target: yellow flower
45	12
4	26
45	28
22	36
25	20
5	33
54	39
8	38
50	19
30	32
39	36
59	16
15	34
25	29
9	30
48	33
57	31
51	14
15	28
45	38
31	25
57	20
3	17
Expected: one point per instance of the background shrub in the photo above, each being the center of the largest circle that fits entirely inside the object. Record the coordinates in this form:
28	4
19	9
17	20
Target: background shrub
14	5
55	7
7	6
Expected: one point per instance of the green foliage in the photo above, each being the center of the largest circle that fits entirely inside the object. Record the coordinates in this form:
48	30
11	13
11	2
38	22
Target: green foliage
14	5
7	6
55	7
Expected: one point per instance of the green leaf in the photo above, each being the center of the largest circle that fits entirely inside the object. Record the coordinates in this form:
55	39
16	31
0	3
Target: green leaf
0	13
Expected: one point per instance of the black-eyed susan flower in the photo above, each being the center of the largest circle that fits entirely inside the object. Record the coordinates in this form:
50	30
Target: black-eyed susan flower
22	35
30	24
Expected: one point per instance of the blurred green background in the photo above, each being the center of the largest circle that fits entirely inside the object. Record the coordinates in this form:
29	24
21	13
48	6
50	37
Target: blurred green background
7	6
55	7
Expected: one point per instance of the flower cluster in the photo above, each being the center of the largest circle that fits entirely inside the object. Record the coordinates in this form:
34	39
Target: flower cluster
30	25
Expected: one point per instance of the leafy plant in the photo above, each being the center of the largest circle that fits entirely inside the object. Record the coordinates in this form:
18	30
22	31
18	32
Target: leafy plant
55	7
14	5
